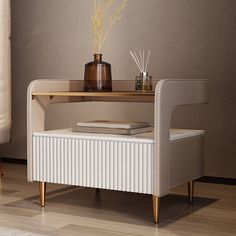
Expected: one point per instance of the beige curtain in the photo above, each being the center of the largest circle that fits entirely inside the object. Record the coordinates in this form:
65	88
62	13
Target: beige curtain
5	72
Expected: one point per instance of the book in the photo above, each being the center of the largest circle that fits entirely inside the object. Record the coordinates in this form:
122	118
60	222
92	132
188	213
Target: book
105	130
113	124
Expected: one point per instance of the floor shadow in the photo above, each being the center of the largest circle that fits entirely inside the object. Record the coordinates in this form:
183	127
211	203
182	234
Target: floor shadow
114	206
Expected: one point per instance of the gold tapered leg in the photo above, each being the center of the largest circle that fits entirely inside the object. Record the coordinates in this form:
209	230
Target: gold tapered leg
156	208
190	191
42	192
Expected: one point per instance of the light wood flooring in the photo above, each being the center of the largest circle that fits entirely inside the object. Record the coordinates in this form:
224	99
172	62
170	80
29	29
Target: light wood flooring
79	211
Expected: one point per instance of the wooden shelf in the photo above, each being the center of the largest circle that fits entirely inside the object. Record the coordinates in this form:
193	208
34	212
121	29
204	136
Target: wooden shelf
95	94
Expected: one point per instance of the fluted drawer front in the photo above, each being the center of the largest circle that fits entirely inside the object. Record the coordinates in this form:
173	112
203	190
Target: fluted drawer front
115	165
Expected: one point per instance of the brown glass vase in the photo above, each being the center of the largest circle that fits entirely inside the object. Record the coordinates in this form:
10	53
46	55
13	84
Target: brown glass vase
97	75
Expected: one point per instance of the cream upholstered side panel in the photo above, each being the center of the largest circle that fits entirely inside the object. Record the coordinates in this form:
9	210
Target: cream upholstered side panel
5	72
168	94
36	109
186	158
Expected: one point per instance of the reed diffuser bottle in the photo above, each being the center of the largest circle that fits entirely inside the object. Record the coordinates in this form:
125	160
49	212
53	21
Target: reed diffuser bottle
97	75
143	82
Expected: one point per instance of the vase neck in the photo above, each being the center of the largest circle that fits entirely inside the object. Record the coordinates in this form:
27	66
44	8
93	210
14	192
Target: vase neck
98	57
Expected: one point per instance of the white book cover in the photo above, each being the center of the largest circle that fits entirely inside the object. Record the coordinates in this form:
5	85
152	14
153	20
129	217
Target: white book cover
113	124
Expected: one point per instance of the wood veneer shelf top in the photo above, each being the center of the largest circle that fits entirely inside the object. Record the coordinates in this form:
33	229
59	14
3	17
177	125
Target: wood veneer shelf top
96	94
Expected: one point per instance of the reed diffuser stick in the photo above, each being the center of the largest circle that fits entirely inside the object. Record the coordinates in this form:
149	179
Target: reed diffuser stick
143	60
147	60
140	60
140	66
133	56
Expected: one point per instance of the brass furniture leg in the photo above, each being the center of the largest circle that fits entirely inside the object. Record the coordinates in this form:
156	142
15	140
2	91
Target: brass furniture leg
190	191
156	208
42	192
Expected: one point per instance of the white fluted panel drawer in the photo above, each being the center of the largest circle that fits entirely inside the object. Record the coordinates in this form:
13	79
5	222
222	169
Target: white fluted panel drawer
98	161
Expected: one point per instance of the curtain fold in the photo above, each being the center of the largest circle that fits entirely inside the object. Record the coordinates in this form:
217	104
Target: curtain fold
5	71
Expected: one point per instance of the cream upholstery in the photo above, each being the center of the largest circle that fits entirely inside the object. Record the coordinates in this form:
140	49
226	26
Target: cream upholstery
113	162
168	94
154	169
5	72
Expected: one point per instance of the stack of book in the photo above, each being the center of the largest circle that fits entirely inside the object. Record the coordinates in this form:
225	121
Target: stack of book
113	127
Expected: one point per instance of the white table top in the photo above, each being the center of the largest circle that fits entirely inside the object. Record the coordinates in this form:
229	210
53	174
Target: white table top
175	134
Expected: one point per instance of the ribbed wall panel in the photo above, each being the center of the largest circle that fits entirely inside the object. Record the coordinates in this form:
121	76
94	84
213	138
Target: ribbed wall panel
114	165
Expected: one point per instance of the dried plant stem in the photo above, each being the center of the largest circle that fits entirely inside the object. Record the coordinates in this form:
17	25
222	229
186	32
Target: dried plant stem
117	15
104	38
101	7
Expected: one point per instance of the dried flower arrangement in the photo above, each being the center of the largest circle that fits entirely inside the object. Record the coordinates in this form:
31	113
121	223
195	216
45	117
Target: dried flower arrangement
101	8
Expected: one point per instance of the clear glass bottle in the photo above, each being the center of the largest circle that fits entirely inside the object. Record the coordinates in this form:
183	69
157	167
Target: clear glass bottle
97	75
143	82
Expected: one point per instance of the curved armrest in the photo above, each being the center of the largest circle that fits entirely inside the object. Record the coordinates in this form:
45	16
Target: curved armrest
169	94
36	108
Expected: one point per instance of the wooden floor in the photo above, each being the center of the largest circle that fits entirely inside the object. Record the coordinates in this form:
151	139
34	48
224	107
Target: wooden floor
79	211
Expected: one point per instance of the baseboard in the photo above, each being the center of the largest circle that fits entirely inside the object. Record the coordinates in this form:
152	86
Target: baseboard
14	160
217	180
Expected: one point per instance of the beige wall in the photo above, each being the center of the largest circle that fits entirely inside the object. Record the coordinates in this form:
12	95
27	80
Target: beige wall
188	39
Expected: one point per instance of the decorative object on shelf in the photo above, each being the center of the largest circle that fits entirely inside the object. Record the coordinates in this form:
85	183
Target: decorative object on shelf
98	76
113	127
143	82
113	124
